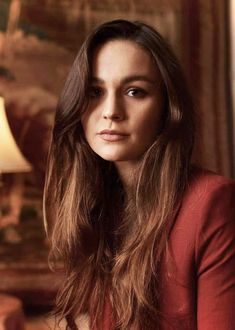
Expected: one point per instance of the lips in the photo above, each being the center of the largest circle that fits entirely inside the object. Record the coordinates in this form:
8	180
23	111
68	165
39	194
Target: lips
112	135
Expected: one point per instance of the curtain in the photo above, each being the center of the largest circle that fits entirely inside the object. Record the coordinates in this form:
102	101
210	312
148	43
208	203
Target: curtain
205	56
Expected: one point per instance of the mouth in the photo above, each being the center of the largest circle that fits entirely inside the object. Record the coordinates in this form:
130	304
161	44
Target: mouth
112	135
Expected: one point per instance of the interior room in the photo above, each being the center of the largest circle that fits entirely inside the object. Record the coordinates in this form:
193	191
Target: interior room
38	43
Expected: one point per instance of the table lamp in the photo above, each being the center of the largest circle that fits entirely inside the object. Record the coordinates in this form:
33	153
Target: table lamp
11	158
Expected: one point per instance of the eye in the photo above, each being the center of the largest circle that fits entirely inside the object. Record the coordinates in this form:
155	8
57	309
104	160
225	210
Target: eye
136	92
95	92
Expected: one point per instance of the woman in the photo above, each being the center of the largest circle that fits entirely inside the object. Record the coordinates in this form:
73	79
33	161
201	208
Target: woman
146	240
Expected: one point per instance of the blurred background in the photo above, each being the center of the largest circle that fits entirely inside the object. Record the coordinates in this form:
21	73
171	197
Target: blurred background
38	42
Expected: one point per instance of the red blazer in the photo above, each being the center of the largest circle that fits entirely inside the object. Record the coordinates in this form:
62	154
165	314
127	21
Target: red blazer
197	288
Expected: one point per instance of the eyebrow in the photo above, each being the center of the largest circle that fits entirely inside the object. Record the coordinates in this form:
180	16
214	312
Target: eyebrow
128	79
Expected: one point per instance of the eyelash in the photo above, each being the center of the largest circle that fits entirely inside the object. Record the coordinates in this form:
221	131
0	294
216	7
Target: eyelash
96	92
140	92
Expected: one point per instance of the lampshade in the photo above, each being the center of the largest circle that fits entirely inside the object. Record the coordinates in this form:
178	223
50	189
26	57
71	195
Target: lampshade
11	159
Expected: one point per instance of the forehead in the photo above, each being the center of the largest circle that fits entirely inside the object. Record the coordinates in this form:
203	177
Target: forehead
118	58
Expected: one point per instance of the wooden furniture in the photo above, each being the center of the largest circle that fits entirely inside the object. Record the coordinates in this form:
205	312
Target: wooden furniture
24	270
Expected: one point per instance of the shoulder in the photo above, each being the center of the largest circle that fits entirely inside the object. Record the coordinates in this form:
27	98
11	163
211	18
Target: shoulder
207	214
205	181
207	189
209	199
209	203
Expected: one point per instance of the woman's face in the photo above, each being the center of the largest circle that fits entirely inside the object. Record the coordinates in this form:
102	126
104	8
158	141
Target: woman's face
126	101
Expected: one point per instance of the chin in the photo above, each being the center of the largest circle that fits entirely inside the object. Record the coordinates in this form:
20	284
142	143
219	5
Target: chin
117	154
119	157
113	158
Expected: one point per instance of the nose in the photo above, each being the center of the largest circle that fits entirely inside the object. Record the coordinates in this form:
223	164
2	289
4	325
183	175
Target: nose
113	108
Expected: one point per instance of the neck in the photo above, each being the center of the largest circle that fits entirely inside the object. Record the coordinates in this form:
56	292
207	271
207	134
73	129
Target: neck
126	171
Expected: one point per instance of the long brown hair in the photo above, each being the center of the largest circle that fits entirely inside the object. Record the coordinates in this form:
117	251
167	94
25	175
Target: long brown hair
111	248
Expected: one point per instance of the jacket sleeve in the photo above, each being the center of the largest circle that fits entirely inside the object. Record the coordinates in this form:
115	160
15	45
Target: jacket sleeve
215	261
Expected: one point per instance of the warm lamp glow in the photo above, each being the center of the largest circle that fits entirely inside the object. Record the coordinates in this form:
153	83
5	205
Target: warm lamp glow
11	159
